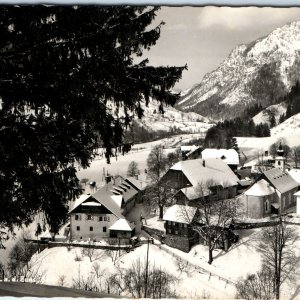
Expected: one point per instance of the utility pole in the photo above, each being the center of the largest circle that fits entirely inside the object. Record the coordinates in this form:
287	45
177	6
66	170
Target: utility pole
146	277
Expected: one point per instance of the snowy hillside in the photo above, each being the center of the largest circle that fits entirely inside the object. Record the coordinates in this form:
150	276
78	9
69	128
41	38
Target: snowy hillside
264	116
289	131
172	119
268	68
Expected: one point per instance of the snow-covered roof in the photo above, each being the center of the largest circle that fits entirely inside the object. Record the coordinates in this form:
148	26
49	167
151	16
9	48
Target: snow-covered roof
201	171
101	197
139	185
283	182
117	199
260	188
295	174
187	148
180	213
297	193
192	193
122	225
230	156
193	149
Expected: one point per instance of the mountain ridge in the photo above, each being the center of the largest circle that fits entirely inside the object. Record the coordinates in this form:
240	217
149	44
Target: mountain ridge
261	71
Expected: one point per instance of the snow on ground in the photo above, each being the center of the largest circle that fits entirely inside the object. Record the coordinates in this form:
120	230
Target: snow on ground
191	284
119	165
289	130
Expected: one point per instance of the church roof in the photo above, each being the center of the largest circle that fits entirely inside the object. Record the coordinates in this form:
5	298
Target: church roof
283	182
260	188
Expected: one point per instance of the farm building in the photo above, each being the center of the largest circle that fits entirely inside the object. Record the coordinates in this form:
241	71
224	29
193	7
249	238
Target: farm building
213	176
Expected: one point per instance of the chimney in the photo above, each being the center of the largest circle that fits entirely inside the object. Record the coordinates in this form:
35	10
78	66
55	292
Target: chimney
203	162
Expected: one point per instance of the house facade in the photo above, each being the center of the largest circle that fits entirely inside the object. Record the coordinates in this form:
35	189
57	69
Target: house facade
101	215
178	225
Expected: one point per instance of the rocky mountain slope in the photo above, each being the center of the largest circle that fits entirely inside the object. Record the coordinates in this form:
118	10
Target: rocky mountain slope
260	72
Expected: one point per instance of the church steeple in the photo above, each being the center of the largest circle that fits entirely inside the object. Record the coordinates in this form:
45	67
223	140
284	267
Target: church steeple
280	159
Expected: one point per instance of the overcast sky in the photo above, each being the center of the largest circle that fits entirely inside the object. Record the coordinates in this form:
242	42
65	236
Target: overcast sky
202	37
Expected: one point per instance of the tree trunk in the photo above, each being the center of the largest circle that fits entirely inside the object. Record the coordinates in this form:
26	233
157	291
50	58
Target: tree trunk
210	251
277	287
210	256
161	212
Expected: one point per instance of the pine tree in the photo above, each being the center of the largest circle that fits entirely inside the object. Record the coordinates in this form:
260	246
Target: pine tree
65	72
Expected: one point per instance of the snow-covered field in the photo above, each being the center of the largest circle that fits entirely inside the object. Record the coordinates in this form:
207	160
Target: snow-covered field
139	153
242	259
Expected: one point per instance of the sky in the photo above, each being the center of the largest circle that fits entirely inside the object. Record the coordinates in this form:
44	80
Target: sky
202	37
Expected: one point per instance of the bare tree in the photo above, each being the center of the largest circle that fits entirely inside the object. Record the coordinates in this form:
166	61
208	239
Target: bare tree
277	248
83	283
23	264
156	163
160	195
295	155
61	281
160	283
91	252
256	286
215	215
133	169
159	192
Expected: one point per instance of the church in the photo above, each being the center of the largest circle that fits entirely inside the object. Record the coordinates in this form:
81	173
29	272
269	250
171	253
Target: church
273	191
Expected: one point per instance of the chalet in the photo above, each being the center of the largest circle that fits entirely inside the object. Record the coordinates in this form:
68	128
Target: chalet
103	214
179	233
215	176
229	156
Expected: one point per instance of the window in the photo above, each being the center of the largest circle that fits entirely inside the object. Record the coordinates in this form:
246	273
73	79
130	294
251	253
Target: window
104	218
89	217
108	219
91	228
104	228
176	231
169	230
77	217
78	228
267	205
279	163
100	219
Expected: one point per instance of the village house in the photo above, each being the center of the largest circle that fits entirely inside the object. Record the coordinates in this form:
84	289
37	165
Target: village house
103	214
179	233
229	156
213	176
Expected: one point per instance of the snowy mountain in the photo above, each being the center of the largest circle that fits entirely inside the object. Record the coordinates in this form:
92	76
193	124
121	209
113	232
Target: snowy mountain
259	72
